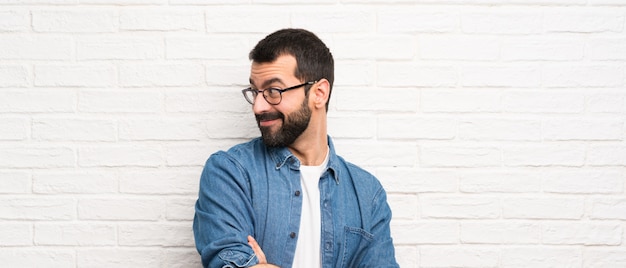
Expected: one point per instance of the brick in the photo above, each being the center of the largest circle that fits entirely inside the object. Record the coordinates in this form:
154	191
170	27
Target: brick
126	209
379	99
167	235
606	102
118	101
15	76
398	127
32	257
598	128
500	129
459	156
608	208
543	102
588	234
583	20
16	234
604	257
14	21
544	155
71	21
75	234
354	73
606	155
14	128
124	2
458	256
18	182
169	75
122	48
573	75
170	129
241	126
73	129
118	257
518	257
584	182
351	127
75	75
500	232
331	21
466	100
159	182
36	47
607	48
412	75
35	101
459	47
120	156
544	207
236	19
207	47
379	154
37	157
518	76
501	22
208	2
180	209
407	256
180	258
74	182
425	232
607	2
414	20
386	47
228	75
189	155
544	49
459	207
500	181
160	19
204	101
37	208
404	206
412	180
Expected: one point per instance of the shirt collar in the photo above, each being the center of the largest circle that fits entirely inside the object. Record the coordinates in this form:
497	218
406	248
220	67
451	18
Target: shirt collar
283	157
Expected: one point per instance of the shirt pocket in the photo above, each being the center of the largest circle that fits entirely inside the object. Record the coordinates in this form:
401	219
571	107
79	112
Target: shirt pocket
355	243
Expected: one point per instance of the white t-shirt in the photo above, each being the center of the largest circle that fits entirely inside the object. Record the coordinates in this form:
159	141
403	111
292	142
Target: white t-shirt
308	253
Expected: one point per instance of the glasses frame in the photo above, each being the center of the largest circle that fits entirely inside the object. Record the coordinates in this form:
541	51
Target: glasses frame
268	90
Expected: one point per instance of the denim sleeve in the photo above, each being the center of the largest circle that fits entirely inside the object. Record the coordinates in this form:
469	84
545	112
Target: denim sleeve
224	215
380	252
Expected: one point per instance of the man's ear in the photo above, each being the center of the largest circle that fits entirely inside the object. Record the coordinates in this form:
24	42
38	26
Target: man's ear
321	93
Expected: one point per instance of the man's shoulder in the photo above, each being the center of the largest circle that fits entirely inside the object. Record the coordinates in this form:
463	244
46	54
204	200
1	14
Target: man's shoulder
241	151
359	175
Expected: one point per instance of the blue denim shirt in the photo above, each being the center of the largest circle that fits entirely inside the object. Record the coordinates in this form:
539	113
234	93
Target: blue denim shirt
254	190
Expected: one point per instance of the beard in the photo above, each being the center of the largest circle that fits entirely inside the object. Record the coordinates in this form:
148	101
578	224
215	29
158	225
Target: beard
292	127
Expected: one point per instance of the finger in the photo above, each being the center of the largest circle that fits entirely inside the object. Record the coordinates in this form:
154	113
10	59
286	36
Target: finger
257	249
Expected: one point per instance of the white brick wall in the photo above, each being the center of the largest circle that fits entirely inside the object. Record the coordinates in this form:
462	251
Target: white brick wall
498	127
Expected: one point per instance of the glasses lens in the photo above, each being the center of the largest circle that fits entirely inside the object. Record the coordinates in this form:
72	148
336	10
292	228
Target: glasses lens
250	95
272	95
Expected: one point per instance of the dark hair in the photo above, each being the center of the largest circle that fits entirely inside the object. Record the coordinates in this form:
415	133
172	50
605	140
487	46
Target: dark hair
314	60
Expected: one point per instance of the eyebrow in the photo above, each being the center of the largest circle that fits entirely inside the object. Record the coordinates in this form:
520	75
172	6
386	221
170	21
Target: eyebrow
269	82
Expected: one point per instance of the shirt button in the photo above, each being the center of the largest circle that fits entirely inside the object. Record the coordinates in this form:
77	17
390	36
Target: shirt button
297	193
292	235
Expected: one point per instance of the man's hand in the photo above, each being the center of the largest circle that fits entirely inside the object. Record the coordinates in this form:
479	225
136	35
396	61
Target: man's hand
259	253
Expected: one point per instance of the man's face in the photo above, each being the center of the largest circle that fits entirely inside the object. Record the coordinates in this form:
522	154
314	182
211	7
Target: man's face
283	123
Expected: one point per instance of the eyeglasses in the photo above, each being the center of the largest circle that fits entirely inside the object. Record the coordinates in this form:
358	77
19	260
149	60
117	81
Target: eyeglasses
272	95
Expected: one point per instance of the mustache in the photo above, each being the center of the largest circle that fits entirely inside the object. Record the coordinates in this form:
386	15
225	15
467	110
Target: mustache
269	116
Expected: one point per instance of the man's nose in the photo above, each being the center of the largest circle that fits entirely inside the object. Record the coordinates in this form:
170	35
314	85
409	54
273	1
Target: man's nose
260	104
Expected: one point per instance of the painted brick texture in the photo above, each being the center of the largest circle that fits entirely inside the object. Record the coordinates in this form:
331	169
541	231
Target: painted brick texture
498	127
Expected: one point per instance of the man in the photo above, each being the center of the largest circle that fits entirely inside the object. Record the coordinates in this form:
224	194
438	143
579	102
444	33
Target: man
286	199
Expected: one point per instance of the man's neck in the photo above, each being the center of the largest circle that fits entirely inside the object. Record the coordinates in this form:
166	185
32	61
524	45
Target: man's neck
311	151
